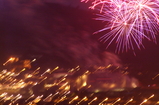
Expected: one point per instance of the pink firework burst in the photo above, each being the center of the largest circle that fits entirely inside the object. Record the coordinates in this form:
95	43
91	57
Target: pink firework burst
128	22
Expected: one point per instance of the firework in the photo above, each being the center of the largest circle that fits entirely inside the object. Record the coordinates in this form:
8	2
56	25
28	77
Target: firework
128	22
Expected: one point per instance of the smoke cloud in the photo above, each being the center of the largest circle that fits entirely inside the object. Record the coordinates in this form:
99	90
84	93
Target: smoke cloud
62	34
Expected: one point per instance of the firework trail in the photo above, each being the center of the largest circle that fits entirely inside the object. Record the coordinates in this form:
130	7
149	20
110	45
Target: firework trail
128	22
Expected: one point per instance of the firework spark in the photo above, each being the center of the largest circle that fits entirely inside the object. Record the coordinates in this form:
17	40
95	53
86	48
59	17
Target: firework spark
128	22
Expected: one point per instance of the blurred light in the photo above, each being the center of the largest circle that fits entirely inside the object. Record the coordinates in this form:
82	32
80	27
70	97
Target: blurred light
92	100
75	98
116	101
128	101
83	99
33	60
103	101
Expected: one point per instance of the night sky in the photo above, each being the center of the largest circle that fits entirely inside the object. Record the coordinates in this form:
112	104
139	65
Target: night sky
62	32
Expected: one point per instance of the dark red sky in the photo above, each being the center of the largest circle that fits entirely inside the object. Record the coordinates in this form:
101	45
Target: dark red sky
29	26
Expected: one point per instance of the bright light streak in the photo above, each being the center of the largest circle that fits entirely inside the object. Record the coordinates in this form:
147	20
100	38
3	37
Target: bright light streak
155	76
33	60
61	99
75	98
17	98
55	94
83	99
56	68
151	96
9	60
128	101
47	71
3	94
128	22
103	101
63	79
116	101
37	99
29	97
42	80
143	102
48	98
94	99
8	98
